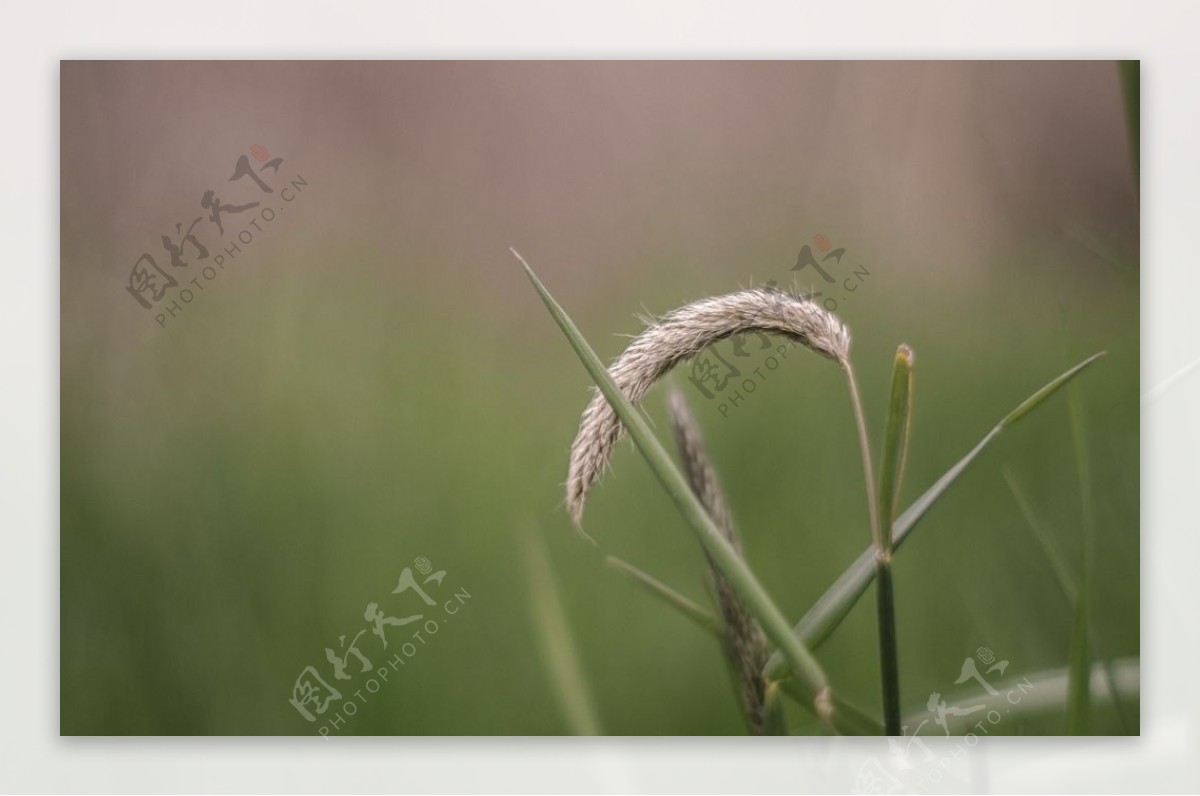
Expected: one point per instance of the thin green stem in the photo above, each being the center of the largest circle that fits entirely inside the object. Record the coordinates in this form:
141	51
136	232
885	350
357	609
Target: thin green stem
888	654
892	460
865	447
889	667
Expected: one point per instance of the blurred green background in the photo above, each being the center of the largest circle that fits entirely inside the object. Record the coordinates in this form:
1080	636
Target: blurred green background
373	380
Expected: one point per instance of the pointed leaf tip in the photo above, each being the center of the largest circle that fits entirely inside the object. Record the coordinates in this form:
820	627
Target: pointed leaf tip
525	265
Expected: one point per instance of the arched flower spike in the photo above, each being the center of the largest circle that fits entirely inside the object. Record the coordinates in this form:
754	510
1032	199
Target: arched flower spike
679	336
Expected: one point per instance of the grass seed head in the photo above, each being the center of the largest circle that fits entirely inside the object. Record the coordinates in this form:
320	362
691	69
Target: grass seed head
678	336
745	643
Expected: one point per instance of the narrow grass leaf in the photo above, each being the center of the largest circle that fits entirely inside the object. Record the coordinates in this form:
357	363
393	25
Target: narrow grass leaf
891	469
895	440
833	606
706	620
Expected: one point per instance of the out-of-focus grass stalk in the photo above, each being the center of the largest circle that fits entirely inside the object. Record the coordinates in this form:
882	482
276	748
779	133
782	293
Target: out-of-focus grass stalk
1066	583
1061	573
558	647
1078	705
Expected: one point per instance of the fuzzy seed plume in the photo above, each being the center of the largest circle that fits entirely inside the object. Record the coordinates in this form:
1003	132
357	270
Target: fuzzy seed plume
677	337
745	642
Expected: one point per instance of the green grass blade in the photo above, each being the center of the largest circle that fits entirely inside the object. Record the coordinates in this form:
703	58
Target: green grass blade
1079	667
889	659
706	620
848	719
895	440
558	648
745	584
1078	707
833	606
891	470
